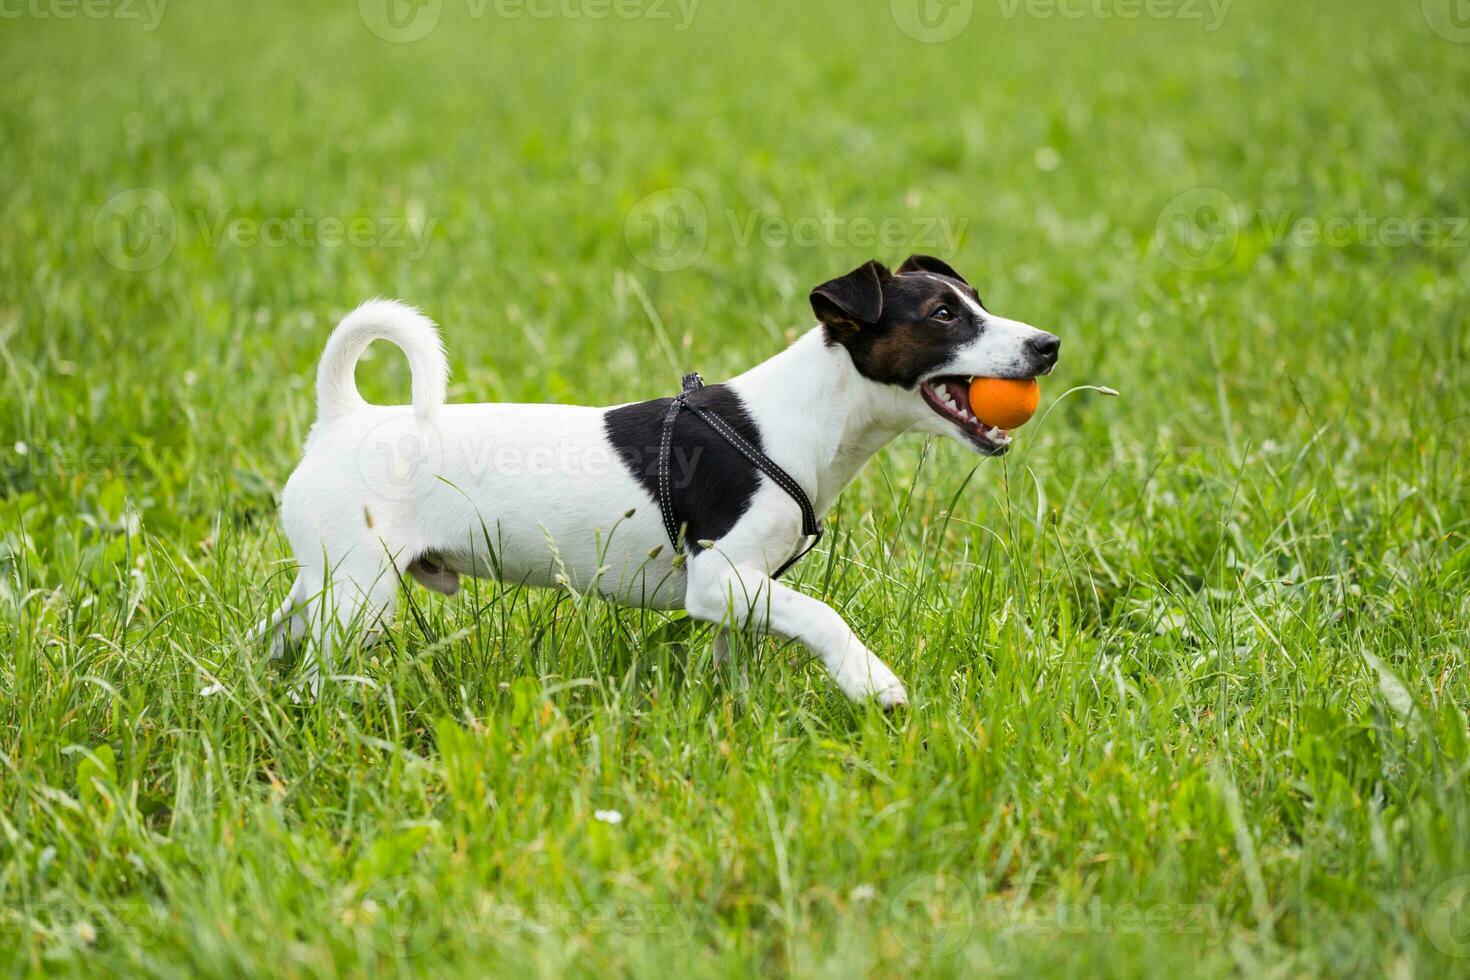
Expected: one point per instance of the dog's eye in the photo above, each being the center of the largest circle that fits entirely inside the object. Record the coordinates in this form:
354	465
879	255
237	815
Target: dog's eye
944	314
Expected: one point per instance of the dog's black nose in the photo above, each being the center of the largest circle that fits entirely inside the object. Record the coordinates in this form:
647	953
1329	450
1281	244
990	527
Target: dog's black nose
1046	345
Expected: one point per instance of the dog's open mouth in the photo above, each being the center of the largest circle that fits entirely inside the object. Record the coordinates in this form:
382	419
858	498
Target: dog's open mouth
950	398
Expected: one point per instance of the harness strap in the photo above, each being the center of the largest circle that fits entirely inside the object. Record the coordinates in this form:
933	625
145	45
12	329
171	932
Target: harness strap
811	528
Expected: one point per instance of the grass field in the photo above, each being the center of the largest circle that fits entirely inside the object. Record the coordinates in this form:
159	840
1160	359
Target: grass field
1189	667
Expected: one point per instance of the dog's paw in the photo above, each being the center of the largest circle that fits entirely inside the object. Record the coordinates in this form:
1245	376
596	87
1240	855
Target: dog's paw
893	699
306	689
874	681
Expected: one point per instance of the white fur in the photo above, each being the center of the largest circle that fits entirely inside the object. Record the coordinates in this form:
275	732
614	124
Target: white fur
536	494
381	319
999	351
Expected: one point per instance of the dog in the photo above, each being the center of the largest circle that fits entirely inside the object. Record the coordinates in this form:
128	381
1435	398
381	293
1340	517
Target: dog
570	496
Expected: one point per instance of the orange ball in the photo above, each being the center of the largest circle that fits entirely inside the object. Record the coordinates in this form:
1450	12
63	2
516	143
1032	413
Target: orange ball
1004	403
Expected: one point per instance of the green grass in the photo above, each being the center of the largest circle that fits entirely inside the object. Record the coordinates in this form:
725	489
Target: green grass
1189	667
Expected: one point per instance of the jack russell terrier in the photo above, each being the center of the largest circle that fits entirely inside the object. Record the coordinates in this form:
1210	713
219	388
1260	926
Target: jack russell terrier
590	498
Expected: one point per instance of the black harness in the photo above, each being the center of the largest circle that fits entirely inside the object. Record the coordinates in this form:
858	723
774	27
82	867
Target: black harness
811	528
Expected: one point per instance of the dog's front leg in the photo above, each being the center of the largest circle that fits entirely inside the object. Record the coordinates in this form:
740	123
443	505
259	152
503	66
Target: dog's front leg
722	647
724	661
727	594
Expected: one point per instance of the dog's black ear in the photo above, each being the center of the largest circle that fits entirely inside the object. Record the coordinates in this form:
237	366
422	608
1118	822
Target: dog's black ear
847	304
928	263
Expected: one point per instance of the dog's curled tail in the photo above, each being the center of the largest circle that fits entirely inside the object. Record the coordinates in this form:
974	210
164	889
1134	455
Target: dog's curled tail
403	326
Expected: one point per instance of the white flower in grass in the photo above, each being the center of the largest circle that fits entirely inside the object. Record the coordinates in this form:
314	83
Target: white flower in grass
211	689
608	816
863	893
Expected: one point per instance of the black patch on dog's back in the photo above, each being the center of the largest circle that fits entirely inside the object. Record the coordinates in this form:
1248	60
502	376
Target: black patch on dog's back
710	481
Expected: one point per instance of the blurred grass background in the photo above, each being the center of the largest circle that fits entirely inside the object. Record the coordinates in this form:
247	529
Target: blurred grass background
1188	666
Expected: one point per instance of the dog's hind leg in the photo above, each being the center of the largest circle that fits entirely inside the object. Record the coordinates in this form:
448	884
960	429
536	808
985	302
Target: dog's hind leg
284	626
357	599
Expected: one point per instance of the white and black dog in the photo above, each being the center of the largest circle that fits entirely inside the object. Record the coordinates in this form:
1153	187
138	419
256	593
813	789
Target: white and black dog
566	495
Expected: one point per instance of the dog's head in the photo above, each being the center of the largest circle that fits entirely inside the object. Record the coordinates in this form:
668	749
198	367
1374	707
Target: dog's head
923	329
